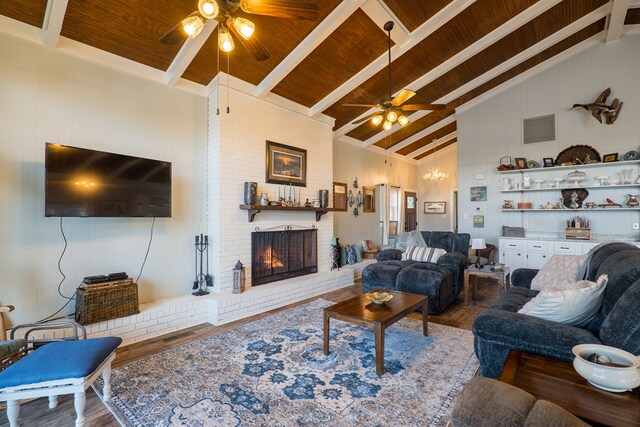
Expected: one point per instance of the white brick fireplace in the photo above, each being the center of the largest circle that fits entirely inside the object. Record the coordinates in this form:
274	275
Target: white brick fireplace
237	153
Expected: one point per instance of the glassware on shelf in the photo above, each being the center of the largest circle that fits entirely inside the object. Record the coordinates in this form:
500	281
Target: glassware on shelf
538	182
558	181
625	175
602	179
576	177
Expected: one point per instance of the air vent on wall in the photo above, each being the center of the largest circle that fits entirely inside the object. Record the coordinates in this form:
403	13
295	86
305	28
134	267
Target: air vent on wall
539	129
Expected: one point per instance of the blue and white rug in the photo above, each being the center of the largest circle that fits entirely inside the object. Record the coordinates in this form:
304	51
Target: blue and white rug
273	372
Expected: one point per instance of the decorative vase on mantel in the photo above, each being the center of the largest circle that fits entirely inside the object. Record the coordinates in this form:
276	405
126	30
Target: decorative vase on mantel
335	253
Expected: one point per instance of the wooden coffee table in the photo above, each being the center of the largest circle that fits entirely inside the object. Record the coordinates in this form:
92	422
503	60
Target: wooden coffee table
557	382
361	311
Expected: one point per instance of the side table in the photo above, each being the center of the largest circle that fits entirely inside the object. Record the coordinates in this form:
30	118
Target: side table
557	381
503	277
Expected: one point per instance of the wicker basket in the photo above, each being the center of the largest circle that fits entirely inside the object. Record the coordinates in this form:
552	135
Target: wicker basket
98	305
505	164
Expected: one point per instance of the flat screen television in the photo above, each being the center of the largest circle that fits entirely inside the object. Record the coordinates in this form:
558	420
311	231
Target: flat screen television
87	183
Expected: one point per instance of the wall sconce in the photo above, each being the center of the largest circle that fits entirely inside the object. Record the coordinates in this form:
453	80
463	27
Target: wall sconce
360	198
355	182
351	198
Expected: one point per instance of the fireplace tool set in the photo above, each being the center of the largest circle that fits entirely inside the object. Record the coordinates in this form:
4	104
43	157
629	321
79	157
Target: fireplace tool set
202	280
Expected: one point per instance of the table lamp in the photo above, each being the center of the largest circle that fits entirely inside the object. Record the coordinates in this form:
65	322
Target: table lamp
477	244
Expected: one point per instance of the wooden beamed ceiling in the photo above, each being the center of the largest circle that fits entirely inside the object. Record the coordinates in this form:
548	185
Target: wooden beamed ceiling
447	51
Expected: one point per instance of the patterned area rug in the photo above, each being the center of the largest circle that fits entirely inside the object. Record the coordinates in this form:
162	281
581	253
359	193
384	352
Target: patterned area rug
273	372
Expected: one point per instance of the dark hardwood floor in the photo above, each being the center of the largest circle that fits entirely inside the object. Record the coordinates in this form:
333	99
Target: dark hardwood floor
37	412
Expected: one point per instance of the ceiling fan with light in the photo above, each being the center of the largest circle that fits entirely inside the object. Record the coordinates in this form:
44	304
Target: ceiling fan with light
391	109
223	11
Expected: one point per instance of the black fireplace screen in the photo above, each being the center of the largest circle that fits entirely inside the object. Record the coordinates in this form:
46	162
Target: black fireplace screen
278	255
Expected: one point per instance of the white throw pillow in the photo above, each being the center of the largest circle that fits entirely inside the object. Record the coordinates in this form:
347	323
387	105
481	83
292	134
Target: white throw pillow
422	253
571	303
559	269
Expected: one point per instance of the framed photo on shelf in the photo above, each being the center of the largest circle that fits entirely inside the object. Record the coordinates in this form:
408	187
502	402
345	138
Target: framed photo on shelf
435	207
521	163
608	158
547	162
286	164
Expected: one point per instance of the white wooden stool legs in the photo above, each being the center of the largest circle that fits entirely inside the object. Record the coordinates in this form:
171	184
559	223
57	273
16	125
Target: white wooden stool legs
106	377
13	412
53	402
78	403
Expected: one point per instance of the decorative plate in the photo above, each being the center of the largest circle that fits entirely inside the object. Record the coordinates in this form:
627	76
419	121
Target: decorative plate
578	155
379	297
532	164
630	155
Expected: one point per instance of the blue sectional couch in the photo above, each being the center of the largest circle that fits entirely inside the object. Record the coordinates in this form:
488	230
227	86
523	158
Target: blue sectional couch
441	281
501	328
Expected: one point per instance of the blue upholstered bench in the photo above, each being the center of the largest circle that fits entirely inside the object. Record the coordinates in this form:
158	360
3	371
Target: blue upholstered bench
58	368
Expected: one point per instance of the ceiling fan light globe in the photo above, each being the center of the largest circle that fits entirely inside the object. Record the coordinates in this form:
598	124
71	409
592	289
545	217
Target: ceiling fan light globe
244	26
376	120
403	120
225	42
387	125
192	25
208	8
392	116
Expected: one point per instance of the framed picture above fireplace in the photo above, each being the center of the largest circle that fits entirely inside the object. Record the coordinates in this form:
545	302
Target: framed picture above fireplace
286	164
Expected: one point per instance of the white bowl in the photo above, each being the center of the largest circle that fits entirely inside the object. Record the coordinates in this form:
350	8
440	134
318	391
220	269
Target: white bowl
616	379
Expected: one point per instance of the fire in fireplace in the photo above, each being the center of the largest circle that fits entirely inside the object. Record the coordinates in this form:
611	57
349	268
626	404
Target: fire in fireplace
278	255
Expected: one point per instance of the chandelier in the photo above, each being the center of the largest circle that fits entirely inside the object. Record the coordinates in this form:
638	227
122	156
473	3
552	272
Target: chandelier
434	173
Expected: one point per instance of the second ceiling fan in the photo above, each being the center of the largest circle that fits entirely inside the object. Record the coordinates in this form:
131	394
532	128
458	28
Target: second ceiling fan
223	11
392	108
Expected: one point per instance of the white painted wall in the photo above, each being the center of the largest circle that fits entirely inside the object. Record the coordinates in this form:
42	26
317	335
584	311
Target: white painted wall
237	153
493	129
370	168
47	96
438	191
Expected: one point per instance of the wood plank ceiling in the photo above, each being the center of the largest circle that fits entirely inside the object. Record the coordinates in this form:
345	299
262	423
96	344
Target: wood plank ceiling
447	51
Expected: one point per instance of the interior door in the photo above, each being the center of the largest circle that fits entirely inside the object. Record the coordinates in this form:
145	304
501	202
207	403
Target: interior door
410	211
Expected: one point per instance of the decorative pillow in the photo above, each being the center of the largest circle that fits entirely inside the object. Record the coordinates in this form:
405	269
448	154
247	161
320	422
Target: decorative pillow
356	252
343	256
423	254
568	303
559	269
404	240
351	257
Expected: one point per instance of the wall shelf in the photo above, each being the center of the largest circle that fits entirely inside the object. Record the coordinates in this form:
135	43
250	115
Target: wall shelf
523	190
590	165
253	210
572	210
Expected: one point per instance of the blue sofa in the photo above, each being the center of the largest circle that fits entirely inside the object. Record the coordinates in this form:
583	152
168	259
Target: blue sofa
441	281
501	328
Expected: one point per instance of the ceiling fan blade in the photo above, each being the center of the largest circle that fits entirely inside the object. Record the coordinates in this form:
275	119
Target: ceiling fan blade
363	105
253	45
300	9
364	119
416	107
176	34
402	97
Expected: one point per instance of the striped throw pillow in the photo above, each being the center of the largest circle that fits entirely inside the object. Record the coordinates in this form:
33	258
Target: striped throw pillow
422	253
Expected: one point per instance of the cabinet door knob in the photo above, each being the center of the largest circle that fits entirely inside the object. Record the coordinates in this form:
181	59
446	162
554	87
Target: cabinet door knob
563	247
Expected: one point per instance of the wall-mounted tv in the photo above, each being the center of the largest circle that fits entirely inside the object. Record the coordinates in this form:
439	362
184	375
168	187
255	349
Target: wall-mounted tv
89	183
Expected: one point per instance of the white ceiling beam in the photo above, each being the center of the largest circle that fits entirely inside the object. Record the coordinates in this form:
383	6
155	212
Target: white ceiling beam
187	52
473	49
20	30
312	41
436	21
433	144
379	13
496	71
416	137
53	19
616	21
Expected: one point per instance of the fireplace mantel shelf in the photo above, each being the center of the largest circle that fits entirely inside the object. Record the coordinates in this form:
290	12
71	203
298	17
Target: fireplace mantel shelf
255	209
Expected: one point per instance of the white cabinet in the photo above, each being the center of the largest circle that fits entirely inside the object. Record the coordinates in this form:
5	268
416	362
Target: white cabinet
513	259
536	259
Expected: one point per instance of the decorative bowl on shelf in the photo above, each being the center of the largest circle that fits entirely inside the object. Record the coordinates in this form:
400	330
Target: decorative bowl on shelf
608	368
379	297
